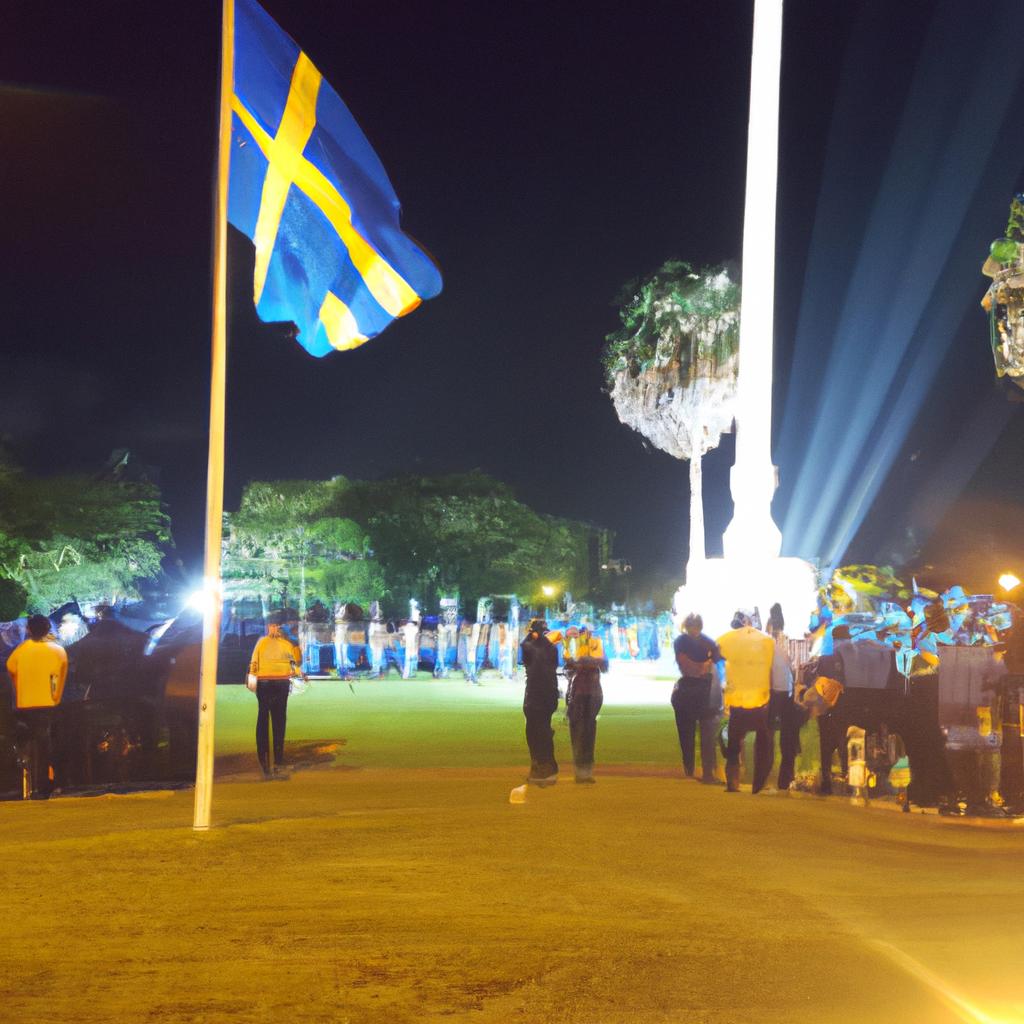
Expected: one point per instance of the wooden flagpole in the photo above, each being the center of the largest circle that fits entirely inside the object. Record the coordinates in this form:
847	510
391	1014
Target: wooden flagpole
215	464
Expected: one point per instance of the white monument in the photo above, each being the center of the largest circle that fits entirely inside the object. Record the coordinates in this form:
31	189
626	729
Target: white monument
752	574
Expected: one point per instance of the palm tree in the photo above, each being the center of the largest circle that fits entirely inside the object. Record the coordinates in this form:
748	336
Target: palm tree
671	368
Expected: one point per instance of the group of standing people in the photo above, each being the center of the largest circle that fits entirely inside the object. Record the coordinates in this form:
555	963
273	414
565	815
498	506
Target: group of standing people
584	662
746	675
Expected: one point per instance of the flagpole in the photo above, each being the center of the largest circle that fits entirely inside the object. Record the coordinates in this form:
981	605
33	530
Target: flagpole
215	459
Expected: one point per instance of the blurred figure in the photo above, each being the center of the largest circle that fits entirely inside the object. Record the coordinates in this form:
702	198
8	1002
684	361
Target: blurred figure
72	628
106	662
275	659
411	643
447	635
38	668
783	713
583	700
509	642
341	627
696	700
377	639
748	657
540	701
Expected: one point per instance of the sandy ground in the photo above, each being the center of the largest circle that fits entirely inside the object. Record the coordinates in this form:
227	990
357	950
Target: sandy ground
362	893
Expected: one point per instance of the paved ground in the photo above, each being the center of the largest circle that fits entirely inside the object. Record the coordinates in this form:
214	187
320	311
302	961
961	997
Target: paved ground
361	893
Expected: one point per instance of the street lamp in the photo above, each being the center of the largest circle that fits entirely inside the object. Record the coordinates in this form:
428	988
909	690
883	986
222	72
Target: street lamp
548	590
1008	582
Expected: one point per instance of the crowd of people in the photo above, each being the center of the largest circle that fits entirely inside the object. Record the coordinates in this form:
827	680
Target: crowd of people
748	681
746	673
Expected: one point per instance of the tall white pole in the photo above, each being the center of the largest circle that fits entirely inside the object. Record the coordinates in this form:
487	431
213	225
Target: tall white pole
215	464
752	532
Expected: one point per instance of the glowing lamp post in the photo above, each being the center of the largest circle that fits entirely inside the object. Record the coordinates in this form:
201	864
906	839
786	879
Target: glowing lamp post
752	574
752	532
1009	582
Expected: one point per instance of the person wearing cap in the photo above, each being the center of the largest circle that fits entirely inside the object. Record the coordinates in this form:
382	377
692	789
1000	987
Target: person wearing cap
540	701
748	654
275	659
38	668
695	701
583	700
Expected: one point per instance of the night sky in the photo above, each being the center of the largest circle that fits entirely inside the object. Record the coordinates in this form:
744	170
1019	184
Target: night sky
545	154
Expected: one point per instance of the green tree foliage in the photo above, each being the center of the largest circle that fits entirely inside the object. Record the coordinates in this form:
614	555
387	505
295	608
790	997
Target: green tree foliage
13	599
285	543
467	532
69	538
392	539
676	316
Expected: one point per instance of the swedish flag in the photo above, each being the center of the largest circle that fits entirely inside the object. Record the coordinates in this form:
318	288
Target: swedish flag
308	189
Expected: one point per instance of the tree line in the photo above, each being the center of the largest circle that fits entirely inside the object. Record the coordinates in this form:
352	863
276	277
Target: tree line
413	536
90	538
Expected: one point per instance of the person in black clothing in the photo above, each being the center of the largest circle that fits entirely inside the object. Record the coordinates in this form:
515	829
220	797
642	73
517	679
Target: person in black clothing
112	690
695	700
540	658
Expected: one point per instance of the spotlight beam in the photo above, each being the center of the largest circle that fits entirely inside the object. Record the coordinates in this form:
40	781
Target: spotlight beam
897	313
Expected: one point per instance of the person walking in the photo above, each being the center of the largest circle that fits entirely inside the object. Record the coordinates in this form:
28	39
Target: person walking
584	698
38	668
275	659
748	657
540	701
695	700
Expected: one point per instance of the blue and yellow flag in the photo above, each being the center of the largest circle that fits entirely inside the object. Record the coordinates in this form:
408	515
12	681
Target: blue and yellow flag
308	189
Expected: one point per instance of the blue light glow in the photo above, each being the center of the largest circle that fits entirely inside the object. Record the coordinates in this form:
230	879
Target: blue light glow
892	271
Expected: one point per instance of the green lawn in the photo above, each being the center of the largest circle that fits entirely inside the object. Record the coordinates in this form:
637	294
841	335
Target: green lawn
427	723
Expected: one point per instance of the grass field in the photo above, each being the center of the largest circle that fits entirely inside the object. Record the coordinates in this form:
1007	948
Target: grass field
390	880
430	723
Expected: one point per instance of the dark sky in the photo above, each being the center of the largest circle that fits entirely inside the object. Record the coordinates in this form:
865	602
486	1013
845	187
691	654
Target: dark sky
545	153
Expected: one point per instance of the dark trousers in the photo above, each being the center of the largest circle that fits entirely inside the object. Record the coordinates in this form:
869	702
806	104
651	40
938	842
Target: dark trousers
917	725
35	729
690	704
272	695
582	708
540	737
742	721
788	717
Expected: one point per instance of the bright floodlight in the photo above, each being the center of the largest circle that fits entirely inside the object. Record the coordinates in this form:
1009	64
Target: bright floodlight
203	600
548	590
718	587
1008	581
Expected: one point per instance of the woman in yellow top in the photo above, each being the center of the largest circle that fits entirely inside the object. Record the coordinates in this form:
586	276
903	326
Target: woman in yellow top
275	659
584	697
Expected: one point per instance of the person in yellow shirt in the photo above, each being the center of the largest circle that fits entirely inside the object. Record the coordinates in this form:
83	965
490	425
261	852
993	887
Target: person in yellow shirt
38	668
748	657
584	698
275	659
